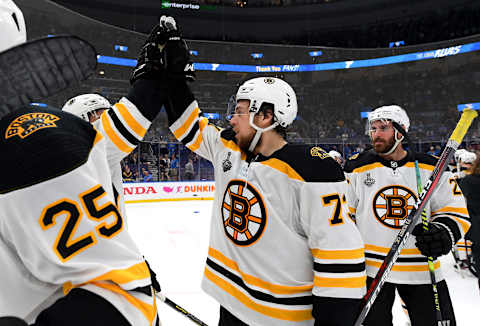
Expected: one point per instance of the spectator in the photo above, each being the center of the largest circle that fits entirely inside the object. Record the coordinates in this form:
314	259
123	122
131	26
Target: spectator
189	171
127	174
147	176
164	167
174	167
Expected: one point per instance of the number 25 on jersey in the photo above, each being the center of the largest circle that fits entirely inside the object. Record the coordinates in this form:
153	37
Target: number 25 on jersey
66	246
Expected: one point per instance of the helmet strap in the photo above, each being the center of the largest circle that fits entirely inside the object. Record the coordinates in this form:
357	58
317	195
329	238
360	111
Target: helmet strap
397	141
259	130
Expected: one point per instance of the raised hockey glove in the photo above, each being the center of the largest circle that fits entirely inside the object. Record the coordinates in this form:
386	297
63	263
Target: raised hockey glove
165	53
435	242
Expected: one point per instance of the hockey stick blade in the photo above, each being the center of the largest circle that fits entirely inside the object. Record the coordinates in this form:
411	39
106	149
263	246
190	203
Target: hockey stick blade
179	309
35	70
453	142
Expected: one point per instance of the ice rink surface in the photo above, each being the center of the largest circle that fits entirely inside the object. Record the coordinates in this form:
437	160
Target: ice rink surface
173	236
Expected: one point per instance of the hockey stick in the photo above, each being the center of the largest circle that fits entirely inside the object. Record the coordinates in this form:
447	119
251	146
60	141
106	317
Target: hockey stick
175	306
431	266
453	142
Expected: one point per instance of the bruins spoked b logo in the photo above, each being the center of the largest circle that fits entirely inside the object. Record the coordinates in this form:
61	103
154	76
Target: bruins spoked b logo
392	204
244	213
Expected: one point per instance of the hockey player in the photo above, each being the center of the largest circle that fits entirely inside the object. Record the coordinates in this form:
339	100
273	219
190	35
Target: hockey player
463	160
336	156
381	193
470	185
60	224
90	108
282	249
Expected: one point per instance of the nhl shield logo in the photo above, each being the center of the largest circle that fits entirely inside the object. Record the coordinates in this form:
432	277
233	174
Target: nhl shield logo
369	181
227	164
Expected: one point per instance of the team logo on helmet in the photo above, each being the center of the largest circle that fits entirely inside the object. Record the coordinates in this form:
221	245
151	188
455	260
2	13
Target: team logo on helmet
392	204
269	81
318	151
244	213
27	124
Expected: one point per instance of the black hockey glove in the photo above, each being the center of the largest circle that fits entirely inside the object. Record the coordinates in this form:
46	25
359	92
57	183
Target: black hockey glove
435	242
165	54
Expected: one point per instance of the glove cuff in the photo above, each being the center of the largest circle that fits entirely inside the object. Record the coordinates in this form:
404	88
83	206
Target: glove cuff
452	238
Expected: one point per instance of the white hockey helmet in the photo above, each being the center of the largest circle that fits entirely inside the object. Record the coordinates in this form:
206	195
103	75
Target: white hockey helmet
465	156
12	25
458	154
335	154
390	113
274	91
83	104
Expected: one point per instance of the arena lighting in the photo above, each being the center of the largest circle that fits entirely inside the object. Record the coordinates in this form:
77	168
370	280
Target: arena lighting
194	52
396	44
211	115
43	105
474	106
257	55
315	53
122	48
364	114
408	57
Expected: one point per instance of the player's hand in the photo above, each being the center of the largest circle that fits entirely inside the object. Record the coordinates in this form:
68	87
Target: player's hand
435	242
164	54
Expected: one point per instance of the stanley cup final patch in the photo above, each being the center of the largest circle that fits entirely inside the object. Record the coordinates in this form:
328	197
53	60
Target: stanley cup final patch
27	124
227	164
369	181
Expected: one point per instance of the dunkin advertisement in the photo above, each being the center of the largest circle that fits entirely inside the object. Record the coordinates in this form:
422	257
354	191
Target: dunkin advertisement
168	191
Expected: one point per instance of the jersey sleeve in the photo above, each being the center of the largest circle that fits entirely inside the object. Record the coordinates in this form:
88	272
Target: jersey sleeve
125	124
448	206
352	199
334	240
188	126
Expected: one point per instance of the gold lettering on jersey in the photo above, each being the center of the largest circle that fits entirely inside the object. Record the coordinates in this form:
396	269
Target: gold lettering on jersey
318	151
392	204
244	213
27	124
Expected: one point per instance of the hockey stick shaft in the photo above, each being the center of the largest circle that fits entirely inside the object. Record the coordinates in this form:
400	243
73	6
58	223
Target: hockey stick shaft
431	266
175	306
453	142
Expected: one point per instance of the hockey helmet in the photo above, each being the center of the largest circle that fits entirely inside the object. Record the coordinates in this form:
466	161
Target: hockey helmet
335	154
390	113
12	25
273	91
82	105
466	157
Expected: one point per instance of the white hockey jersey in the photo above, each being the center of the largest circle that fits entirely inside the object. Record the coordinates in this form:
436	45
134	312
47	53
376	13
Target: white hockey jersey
381	194
59	222
279	231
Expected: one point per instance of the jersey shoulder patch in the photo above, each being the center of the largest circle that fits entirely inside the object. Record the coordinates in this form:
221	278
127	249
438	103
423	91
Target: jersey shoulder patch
359	160
312	163
41	144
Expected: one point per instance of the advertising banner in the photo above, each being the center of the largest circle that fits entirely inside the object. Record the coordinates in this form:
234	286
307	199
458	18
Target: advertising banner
168	191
